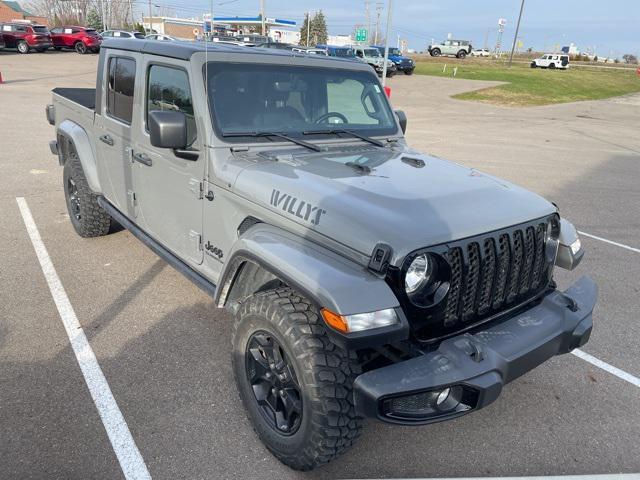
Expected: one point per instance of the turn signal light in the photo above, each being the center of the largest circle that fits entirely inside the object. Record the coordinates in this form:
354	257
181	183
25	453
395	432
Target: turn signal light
359	321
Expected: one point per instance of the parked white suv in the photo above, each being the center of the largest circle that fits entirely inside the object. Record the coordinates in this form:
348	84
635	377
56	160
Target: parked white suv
551	60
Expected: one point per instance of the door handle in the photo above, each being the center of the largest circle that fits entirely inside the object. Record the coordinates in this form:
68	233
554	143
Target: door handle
142	158
107	139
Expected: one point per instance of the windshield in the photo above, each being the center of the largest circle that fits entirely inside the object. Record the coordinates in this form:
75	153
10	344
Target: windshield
395	51
371	52
254	98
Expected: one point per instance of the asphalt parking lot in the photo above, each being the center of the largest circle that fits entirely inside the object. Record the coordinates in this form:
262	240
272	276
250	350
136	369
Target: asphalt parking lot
164	349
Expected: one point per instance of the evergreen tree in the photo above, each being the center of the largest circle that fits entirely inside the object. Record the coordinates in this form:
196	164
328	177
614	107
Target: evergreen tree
304	29
94	20
318	29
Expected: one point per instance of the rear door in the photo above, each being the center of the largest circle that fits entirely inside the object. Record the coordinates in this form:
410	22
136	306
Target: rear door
8	35
167	185
113	126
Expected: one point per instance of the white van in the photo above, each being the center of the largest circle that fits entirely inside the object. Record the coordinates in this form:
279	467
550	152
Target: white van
551	60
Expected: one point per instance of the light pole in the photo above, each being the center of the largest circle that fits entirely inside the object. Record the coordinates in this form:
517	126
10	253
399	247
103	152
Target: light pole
515	38
386	43
262	17
308	26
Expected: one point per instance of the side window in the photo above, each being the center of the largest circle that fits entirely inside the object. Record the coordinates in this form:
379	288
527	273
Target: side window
367	112
120	86
56	31
107	34
168	89
20	28
75	30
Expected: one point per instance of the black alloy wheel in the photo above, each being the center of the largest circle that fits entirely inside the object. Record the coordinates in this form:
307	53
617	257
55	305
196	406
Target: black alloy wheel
274	383
74	199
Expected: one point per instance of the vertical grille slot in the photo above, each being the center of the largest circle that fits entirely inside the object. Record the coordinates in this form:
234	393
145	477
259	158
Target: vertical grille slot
488	273
471	284
504	261
516	266
538	263
454	256
529	257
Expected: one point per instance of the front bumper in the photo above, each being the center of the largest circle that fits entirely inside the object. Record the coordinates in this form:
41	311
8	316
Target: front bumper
480	363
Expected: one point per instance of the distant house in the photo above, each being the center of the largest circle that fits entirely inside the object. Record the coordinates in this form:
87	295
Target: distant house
10	11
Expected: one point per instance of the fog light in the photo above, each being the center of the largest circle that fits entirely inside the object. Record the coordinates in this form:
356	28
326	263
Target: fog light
444	394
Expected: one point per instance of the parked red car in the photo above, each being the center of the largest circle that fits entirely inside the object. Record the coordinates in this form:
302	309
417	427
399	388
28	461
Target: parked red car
26	36
81	39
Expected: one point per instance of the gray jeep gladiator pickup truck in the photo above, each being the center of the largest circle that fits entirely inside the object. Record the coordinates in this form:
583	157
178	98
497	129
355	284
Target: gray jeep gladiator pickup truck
366	279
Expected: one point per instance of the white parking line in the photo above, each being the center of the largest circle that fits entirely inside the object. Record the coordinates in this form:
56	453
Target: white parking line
627	377
621	245
125	448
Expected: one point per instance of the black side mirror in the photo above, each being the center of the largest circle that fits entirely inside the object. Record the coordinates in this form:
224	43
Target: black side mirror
168	129
402	120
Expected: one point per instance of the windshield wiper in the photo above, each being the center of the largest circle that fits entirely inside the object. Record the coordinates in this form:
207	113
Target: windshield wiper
337	131
302	143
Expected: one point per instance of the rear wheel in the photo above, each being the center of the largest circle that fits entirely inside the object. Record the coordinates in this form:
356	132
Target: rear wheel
23	47
435	52
87	217
552	65
461	54
533	65
296	385
80	48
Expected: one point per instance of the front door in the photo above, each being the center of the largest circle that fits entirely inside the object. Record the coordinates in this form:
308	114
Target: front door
168	186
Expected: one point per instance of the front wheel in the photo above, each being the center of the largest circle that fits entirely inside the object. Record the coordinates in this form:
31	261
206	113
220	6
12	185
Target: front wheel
295	384
80	48
409	71
23	47
435	52
87	217
533	65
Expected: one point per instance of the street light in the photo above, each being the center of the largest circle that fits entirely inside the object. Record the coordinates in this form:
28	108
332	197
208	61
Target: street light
386	43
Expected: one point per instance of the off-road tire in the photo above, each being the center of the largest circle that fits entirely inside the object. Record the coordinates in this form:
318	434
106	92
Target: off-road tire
409	72
80	48
325	373
435	52
94	221
461	54
552	65
23	47
533	65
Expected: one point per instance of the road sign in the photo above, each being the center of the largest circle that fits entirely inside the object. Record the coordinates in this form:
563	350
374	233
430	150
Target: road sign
361	35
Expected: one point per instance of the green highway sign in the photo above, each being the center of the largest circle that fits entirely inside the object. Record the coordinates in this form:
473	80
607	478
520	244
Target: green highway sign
361	35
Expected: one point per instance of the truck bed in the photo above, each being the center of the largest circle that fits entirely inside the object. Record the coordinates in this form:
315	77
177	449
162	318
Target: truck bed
82	96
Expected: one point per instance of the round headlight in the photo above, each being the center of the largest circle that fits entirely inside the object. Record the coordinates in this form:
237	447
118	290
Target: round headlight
418	273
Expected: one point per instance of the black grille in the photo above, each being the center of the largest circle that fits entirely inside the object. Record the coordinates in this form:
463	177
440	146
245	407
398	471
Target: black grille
490	273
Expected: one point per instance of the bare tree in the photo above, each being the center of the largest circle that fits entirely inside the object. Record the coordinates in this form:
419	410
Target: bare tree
115	13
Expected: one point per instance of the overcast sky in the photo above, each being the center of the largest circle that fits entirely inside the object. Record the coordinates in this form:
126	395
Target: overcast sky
609	25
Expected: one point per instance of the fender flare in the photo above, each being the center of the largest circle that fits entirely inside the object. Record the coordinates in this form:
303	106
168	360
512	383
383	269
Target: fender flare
70	134
326	278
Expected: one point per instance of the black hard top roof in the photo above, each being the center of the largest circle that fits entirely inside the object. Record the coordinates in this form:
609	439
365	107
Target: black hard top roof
183	50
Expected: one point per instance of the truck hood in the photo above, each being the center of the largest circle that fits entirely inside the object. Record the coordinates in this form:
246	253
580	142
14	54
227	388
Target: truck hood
361	196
